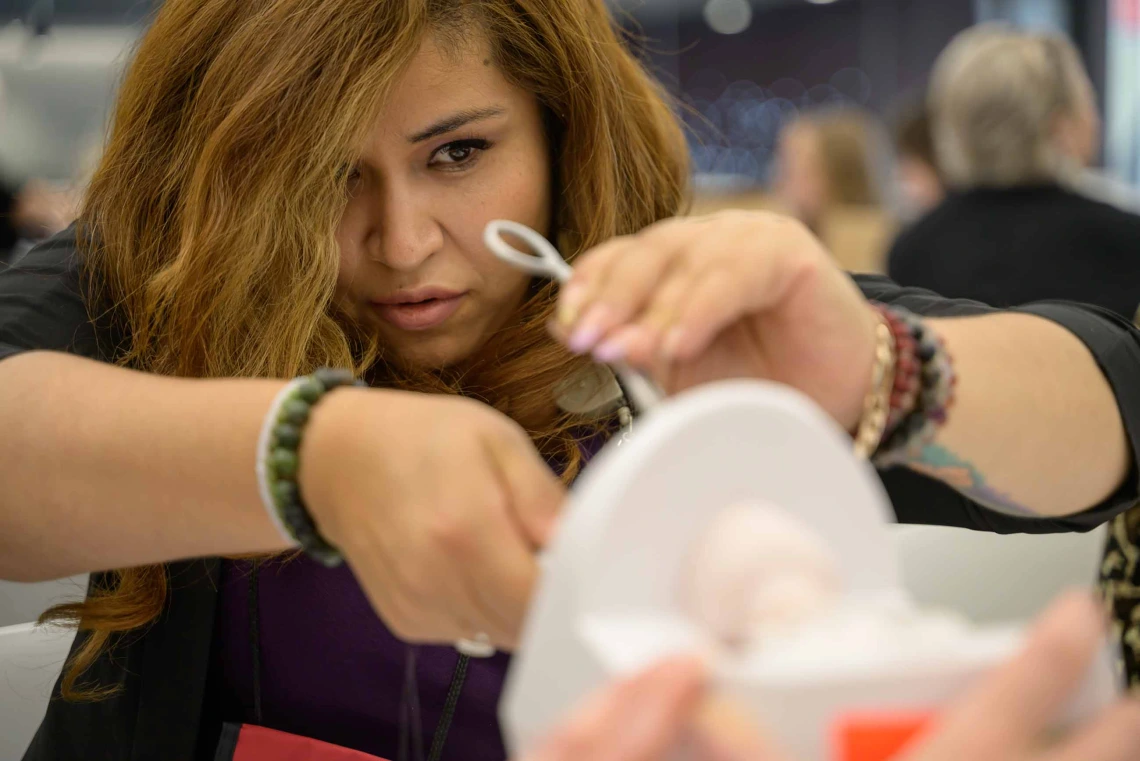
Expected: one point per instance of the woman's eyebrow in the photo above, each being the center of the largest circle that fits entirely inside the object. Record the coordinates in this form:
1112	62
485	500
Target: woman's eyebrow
454	122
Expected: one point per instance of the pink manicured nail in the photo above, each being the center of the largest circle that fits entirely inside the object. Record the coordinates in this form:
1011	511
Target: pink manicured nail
584	338
589	330
612	350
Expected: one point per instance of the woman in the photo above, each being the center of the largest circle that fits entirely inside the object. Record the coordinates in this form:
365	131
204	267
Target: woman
920	186
829	175
826	159
297	183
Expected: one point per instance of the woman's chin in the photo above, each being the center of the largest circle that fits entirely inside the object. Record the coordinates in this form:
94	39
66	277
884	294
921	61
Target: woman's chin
431	352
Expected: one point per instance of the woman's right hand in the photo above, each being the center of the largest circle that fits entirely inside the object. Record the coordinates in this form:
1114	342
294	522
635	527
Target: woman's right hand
1005	717
439	504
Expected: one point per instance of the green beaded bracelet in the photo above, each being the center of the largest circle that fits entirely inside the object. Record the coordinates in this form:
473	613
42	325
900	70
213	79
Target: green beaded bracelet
279	461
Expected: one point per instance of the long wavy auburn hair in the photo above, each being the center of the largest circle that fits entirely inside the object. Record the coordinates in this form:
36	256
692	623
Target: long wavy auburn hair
209	225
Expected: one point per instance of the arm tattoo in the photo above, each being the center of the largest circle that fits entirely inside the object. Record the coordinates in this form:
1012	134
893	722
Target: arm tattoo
940	463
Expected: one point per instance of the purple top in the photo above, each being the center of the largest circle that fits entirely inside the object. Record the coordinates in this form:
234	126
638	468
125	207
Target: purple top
330	670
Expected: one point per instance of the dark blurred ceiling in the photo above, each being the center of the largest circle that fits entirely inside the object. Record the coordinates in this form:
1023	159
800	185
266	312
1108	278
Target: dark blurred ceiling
130	11
658	8
80	11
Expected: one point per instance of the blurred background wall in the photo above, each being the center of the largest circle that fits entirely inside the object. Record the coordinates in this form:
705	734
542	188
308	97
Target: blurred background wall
744	65
59	63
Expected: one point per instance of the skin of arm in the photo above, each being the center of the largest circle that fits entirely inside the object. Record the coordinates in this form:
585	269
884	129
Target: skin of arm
110	468
1036	429
1030	402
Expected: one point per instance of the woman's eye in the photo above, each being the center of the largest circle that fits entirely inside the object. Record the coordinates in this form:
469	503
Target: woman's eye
351	176
459	153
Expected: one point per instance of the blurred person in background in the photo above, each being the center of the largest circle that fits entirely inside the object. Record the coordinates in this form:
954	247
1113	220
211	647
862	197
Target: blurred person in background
31	210
828	175
34	211
1015	126
920	186
825	159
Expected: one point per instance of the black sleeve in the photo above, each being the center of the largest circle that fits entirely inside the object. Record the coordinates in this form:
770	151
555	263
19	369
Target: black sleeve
898	263
43	305
1114	343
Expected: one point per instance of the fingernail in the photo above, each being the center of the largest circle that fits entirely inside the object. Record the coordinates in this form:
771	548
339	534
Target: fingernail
589	330
610	351
674	340
570	303
584	338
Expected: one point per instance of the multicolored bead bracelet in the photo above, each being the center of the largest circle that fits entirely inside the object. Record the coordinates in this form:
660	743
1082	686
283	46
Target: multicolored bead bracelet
923	388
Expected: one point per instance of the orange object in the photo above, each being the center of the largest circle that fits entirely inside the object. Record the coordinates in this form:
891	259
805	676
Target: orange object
877	735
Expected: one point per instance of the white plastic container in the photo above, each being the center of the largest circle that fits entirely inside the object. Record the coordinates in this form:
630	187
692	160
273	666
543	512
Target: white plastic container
609	602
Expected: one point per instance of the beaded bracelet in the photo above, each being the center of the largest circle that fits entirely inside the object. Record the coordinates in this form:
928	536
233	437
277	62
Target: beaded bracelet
278	461
924	383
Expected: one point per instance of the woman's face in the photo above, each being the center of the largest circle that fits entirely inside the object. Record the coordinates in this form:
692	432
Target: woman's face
455	147
920	188
800	186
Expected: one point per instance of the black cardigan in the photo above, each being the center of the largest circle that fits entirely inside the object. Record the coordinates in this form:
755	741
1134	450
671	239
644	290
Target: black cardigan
1016	245
163	711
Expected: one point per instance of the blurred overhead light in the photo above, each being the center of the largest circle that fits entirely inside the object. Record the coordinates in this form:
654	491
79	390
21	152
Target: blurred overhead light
821	2
728	16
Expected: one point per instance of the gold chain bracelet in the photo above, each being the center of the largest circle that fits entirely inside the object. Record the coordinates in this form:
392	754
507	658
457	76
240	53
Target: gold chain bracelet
877	403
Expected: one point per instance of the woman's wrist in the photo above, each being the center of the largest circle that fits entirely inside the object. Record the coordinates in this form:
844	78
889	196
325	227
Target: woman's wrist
909	391
922	388
325	454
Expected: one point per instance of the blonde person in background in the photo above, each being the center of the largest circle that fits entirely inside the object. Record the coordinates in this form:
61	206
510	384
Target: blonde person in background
829	175
1015	127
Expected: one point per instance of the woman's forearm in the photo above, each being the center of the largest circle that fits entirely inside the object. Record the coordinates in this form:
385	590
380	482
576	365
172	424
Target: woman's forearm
1035	429
107	468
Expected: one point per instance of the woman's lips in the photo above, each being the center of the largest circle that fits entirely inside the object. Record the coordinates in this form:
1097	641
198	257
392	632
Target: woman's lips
419	315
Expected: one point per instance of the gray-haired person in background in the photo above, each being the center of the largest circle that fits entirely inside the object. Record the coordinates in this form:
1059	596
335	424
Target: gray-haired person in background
1015	127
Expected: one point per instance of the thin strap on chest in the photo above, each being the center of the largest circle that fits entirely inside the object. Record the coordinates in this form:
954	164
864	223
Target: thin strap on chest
410	695
253	599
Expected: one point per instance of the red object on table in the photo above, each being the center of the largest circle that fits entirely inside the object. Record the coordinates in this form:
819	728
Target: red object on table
877	735
248	742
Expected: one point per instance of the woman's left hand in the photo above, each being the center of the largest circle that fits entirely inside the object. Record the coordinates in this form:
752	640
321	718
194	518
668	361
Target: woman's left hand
733	295
654	715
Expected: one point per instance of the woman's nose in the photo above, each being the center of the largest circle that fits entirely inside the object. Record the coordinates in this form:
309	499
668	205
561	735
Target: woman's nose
409	232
